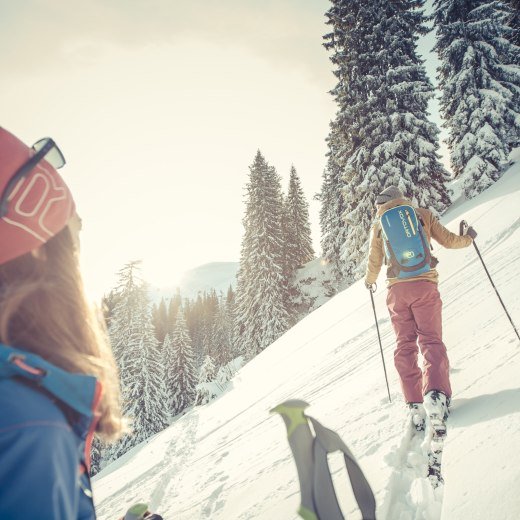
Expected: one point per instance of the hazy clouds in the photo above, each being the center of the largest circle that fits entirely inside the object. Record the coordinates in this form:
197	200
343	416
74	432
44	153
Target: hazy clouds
40	34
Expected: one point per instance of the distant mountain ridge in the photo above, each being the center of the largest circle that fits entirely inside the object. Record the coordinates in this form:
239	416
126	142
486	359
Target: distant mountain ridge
215	275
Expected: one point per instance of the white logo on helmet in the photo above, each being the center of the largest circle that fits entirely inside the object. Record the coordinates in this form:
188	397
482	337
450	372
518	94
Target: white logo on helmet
30	215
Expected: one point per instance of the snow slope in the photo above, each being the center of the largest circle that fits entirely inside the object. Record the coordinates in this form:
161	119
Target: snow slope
231	460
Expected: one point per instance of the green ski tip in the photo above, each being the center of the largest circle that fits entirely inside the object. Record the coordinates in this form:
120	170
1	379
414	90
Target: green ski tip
307	514
292	413
136	512
291	403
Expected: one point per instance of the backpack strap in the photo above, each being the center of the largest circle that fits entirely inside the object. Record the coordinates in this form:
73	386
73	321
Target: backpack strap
423	226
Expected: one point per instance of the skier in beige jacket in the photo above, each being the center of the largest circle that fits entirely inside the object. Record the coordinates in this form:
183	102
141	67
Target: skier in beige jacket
415	306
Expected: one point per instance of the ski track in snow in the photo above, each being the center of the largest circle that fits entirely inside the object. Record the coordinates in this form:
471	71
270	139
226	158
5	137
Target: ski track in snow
409	493
160	478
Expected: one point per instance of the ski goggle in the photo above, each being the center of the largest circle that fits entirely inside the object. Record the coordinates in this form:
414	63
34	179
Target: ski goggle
46	149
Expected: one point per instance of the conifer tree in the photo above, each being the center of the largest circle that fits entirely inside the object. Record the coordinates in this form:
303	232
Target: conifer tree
125	321
298	244
261	316
229	303
209	315
181	373
514	22
480	81
96	456
136	351
173	307
231	313
297	241
108	304
221	351
381	134
207	374
160	320
288	257
333	228
146	394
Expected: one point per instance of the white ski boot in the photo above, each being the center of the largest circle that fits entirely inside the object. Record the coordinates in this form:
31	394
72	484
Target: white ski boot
417	416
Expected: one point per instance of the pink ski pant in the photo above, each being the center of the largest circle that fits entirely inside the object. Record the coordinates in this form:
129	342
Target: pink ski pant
416	313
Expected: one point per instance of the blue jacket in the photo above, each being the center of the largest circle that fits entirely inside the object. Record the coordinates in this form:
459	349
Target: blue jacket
44	452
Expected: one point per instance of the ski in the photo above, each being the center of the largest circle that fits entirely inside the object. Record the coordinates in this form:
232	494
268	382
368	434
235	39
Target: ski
435	458
436	406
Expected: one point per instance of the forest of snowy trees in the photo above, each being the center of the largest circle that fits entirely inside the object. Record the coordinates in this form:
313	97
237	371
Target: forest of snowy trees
179	353
382	134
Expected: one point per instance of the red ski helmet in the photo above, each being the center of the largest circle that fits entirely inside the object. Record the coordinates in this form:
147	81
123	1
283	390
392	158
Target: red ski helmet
38	207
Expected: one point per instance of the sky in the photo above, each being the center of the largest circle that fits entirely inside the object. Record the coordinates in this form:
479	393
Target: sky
159	108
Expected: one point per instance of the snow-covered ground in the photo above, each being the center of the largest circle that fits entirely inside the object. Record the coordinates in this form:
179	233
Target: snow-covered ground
231	460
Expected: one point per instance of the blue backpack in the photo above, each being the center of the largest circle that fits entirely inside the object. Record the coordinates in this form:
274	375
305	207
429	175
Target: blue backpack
406	247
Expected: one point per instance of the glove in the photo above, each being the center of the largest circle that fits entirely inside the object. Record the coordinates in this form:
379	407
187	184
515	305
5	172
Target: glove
471	233
369	286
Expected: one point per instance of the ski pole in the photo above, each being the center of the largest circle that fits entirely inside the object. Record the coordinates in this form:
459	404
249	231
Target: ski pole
372	290
462	228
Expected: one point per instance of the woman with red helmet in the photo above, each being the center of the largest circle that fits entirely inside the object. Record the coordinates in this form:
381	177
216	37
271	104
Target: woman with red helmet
58	381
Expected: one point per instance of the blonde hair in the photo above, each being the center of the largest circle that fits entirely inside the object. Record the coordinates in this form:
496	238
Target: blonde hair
43	309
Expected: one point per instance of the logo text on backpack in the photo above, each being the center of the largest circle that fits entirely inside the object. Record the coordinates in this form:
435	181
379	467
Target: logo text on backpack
405	224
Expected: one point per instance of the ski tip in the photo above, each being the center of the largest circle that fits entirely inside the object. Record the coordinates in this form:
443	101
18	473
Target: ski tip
291	404
136	512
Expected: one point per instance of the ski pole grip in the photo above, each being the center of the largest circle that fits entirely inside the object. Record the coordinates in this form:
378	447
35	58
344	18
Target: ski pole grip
463	226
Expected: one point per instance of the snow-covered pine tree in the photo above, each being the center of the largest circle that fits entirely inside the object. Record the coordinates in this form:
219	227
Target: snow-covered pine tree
124	333
108	304
479	78
297	241
160	320
200	317
169	362
194	317
146	394
333	228
383	135
181	372
514	21
231	312
136	350
299	248
96	455
209	316
261	316
288	250
173	307
221	350
207	374
288	260
341	17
